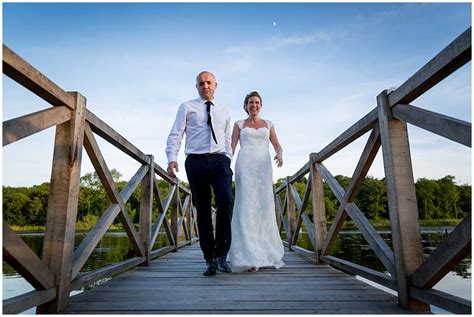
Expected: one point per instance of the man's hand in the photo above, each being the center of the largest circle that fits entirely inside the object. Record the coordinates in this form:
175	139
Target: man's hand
171	167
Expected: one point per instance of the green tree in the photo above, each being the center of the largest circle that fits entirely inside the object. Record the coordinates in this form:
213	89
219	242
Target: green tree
426	191
372	199
14	207
448	197
465	199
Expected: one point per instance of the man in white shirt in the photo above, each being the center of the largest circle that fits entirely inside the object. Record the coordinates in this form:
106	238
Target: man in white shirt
208	155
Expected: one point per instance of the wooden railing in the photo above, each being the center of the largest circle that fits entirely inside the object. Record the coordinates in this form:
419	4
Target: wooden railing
57	272
407	273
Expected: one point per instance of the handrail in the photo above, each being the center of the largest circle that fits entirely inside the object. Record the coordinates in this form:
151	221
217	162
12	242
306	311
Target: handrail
58	271
410	275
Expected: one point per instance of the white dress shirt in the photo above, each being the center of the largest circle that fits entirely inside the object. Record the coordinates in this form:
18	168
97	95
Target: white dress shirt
192	120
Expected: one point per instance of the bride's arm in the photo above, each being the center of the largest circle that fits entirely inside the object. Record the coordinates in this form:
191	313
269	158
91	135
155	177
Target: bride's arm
276	145
235	138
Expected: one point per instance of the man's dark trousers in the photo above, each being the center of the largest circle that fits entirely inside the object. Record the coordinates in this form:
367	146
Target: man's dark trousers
206	171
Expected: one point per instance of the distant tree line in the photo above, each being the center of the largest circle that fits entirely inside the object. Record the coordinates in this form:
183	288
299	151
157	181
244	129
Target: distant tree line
27	206
437	199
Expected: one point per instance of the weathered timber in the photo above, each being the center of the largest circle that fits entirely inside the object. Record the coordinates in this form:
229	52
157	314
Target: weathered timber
365	162
58	245
445	301
306	253
296	197
451	251
451	128
88	278
24	126
85	248
17	253
310	229
336	226
174	212
155	228
300	173
299	210
363	166
352	268
23	73
157	194
169	198
184	220
347	137
381	249
28	300
146	204
403	210
100	166
319	210
163	174
279	211
161	251
152	289
441	66
291	213
166	207
113	137
108	183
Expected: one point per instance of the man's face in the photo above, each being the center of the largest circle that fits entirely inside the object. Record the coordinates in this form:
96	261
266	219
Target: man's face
206	85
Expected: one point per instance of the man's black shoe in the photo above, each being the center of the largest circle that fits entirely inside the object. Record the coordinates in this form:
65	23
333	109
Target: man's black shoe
222	265
210	268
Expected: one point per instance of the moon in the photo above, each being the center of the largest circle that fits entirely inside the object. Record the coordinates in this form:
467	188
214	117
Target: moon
274	23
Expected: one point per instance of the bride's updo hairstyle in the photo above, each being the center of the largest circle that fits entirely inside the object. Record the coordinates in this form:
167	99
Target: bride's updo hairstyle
250	95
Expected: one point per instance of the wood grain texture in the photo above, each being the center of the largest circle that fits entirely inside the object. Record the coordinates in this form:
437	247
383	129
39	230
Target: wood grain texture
58	245
24	126
23	73
174	284
451	58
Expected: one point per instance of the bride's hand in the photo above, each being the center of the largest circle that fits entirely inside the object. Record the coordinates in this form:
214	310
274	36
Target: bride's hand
279	160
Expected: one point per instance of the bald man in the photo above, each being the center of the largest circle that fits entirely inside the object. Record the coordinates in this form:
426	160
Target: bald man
208	151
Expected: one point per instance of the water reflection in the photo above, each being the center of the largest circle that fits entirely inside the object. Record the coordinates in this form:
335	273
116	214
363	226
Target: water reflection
351	245
114	247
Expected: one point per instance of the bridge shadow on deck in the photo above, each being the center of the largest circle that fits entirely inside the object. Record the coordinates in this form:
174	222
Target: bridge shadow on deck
174	284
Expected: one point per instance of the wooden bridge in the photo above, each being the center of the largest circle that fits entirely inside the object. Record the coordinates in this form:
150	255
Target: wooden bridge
308	284
174	284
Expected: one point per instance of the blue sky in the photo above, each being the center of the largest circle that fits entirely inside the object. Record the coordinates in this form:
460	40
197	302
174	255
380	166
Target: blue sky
318	66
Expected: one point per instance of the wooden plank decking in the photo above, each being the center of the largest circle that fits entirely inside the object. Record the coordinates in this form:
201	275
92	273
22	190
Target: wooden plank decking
174	284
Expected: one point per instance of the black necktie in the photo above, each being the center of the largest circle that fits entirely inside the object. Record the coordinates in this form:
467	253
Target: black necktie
209	121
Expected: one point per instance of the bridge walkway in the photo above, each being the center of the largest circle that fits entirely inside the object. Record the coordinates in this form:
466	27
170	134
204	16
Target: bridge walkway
174	284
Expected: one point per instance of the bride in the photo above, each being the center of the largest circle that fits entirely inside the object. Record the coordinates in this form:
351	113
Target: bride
255	239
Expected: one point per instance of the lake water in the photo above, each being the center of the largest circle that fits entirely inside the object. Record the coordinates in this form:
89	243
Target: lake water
350	245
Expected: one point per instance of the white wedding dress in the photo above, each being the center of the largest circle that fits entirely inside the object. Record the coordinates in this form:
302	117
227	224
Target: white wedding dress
256	241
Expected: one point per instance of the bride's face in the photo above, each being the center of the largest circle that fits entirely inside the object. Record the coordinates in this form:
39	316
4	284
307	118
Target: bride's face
254	106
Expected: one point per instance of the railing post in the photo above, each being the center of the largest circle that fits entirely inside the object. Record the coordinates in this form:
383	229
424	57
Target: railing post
278	212
174	214
291	210
319	209
189	215
146	204
403	210
58	245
